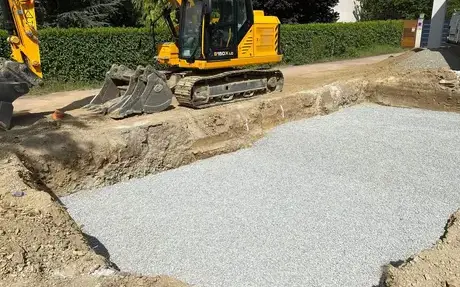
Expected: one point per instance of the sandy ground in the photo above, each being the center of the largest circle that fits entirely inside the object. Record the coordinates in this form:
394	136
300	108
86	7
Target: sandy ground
43	158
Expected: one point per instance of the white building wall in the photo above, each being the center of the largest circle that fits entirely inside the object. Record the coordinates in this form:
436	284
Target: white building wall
437	23
345	9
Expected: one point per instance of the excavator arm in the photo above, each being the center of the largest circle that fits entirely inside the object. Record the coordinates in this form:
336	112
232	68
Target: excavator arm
21	24
23	70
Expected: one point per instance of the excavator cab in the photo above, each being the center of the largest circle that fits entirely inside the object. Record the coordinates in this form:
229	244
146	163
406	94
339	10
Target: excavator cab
212	29
223	31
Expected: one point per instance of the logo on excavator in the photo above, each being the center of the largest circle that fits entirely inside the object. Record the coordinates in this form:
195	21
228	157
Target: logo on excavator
223	53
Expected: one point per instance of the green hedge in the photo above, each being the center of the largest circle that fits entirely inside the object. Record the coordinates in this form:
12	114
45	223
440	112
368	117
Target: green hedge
87	54
310	43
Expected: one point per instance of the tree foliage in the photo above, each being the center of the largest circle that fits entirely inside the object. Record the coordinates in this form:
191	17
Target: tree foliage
85	13
289	11
149	9
300	11
452	6
398	9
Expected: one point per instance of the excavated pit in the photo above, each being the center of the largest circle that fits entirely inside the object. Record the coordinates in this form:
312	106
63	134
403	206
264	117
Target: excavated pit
65	157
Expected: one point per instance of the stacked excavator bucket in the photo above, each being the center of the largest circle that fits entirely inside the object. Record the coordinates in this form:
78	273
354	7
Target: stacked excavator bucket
129	92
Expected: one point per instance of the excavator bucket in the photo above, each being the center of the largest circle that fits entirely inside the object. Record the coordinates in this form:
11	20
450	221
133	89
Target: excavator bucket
10	92
15	81
129	92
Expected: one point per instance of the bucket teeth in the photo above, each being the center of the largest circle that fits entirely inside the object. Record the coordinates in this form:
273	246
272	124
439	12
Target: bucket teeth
128	92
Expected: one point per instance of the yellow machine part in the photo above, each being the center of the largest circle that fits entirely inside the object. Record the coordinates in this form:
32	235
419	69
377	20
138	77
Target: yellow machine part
25	44
259	46
168	53
23	71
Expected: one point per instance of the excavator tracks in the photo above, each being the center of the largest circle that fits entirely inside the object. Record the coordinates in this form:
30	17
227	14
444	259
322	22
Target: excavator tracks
145	90
201	92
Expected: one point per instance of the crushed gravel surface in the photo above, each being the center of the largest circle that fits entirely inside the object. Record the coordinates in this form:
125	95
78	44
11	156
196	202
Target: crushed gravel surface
321	202
432	59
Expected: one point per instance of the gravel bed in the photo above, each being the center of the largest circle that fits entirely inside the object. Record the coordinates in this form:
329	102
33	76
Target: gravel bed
428	59
321	202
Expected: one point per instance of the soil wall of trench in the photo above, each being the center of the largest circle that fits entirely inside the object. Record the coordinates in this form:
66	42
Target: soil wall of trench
70	156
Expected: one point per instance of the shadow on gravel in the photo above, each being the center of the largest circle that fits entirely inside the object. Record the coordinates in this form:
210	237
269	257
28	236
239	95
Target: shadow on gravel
451	55
77	104
99	249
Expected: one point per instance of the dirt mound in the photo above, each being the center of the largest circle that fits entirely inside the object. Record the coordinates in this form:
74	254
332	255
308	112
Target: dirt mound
436	267
437	89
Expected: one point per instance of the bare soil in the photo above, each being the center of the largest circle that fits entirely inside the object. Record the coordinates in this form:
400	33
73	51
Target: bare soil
435	267
43	159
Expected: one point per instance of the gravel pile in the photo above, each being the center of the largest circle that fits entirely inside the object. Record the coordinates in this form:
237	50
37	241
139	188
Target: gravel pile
427	59
321	202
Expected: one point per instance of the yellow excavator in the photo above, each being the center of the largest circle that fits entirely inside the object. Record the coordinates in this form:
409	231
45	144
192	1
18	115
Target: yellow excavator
214	45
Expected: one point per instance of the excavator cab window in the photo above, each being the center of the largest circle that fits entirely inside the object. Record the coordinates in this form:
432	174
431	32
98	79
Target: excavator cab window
230	21
212	29
191	29
245	18
222	25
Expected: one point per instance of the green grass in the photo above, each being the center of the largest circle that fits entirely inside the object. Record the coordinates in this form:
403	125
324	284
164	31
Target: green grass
379	50
364	53
51	86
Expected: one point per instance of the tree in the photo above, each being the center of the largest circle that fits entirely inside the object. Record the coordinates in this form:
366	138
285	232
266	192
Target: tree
86	13
151	10
398	9
452	6
300	11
